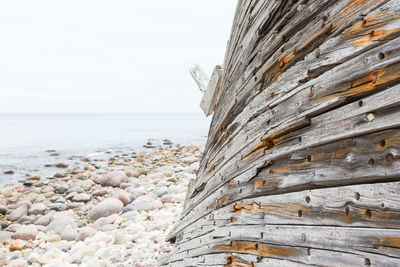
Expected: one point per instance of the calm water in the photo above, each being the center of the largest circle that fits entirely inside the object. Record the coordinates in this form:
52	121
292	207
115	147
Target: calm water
24	138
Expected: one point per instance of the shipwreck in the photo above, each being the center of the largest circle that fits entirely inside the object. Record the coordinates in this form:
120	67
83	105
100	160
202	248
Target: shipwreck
302	162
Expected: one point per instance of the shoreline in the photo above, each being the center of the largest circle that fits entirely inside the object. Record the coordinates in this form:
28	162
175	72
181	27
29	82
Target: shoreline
117	217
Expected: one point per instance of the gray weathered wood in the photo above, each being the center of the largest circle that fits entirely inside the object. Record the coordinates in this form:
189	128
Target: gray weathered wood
302	162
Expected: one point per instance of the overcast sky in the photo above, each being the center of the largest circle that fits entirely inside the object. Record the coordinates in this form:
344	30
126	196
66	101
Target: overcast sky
108	55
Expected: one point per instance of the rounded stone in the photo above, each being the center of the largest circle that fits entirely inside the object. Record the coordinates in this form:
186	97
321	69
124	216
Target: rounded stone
69	234
26	232
114	178
60	223
106	208
123	196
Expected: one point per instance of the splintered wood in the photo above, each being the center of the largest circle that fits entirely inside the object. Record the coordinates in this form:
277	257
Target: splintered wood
302	162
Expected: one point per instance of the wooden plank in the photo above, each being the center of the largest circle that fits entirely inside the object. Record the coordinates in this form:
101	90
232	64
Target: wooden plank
301	166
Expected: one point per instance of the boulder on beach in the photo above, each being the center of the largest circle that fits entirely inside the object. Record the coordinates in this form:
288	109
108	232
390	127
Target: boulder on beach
106	208
61	189
18	213
26	232
60	223
114	178
37	208
46	219
82	197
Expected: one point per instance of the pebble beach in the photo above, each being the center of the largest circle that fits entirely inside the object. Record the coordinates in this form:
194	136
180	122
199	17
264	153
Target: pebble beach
92	216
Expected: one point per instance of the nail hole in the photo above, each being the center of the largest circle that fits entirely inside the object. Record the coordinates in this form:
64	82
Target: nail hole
382	205
357	196
311	91
308	158
300	213
309	251
255	79
229	260
303	237
382	143
307	199
367	262
368	213
256	246
299	139
360	104
347	211
381	56
389	157
371	162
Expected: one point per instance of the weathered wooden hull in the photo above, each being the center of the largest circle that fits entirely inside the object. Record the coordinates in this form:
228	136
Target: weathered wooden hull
302	163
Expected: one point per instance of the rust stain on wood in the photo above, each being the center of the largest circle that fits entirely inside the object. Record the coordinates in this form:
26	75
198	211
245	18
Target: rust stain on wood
231	261
393	242
222	201
265	183
258	249
376	35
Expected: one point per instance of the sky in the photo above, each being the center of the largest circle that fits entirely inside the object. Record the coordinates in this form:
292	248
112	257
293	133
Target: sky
108	56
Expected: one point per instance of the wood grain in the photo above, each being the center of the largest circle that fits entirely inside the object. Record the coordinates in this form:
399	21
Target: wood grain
302	162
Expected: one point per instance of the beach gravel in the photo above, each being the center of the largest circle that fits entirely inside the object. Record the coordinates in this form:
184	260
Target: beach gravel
115	216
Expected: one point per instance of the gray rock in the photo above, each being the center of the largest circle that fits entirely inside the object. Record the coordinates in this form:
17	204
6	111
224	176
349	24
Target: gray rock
60	200
5	235
81	224
13	227
160	191
114	178
82	197
26	232
46	219
145	204
106	208
25	220
128	208
132	196
18	213
76	189
61	189
69	234
60	223
57	206
37	208
142	204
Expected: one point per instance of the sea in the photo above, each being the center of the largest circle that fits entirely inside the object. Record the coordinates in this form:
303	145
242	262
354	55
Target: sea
30	143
